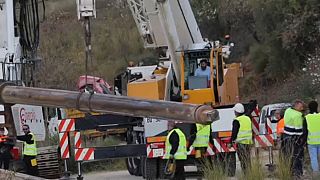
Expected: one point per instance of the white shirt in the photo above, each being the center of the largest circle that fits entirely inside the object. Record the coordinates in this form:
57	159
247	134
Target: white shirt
200	72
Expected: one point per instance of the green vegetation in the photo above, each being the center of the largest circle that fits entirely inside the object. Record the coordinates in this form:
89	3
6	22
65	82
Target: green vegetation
115	41
283	171
213	171
255	172
274	41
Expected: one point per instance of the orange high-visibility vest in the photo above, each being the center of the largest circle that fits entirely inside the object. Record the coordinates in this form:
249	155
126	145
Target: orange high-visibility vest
280	127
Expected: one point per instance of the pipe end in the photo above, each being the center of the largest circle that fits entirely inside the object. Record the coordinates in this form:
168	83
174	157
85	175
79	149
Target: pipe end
206	115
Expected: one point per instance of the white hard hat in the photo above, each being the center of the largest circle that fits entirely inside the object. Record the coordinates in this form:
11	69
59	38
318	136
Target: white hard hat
239	108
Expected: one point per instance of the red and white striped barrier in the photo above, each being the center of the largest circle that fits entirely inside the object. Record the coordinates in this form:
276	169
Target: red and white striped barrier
84	154
255	121
66	125
264	140
77	139
210	150
64	145
218	147
269	126
221	146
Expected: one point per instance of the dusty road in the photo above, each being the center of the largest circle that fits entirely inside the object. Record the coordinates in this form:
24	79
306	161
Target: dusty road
118	175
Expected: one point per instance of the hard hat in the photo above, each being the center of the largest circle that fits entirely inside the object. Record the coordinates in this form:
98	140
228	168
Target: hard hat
239	108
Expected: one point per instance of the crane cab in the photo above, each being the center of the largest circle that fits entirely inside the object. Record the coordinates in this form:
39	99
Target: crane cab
216	83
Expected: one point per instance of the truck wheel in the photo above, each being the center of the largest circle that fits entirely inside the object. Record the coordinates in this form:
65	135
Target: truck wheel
231	164
150	168
162	166
133	166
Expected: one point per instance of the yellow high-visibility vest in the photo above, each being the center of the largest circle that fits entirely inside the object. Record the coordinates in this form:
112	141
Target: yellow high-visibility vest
245	132
182	149
30	149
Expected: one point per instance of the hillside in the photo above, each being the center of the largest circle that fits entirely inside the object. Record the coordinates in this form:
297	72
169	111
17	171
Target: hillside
115	42
277	43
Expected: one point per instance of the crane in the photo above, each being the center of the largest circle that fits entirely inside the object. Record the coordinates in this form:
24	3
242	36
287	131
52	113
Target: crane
171	25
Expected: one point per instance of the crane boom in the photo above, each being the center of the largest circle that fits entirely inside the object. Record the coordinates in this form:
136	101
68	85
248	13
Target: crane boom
169	24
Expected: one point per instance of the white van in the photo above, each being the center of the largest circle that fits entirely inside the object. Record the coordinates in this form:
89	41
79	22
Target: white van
267	112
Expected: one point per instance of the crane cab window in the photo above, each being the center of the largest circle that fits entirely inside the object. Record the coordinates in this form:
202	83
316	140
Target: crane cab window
197	70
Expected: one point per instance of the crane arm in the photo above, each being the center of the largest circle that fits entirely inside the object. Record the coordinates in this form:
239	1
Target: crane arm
164	23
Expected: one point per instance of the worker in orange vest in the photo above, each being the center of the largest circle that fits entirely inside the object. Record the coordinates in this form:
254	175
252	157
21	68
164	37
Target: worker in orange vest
279	114
5	147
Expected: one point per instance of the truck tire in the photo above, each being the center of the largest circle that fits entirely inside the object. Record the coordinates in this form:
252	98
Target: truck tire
133	166
134	163
231	164
150	168
162	165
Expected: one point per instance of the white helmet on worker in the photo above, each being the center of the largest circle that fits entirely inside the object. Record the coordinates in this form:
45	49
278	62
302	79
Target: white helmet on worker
239	108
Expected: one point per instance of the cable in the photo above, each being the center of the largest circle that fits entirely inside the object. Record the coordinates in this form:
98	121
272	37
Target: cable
29	25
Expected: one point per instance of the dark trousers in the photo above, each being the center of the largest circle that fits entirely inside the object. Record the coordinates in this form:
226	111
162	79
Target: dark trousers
5	162
179	173
292	150
244	153
31	170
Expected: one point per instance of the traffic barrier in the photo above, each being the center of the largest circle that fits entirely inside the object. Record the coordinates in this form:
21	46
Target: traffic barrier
64	145
66	125
84	154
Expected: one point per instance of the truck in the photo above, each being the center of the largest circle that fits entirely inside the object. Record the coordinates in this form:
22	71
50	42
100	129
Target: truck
171	26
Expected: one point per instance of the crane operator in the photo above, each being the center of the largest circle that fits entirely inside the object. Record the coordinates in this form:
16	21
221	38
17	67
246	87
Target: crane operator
204	69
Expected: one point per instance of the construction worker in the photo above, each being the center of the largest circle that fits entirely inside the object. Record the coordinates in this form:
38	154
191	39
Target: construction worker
242	136
176	148
311	127
279	114
5	147
200	137
293	140
29	150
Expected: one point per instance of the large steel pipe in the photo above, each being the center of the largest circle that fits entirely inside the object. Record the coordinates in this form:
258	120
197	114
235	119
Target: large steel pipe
109	104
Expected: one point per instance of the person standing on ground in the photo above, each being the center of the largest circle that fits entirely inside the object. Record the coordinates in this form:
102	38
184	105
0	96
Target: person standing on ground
176	148
242	135
293	138
279	114
311	127
29	150
200	138
6	145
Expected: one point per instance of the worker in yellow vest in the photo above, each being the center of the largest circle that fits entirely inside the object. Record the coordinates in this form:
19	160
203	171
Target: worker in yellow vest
29	150
242	136
176	148
200	138
312	129
293	138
